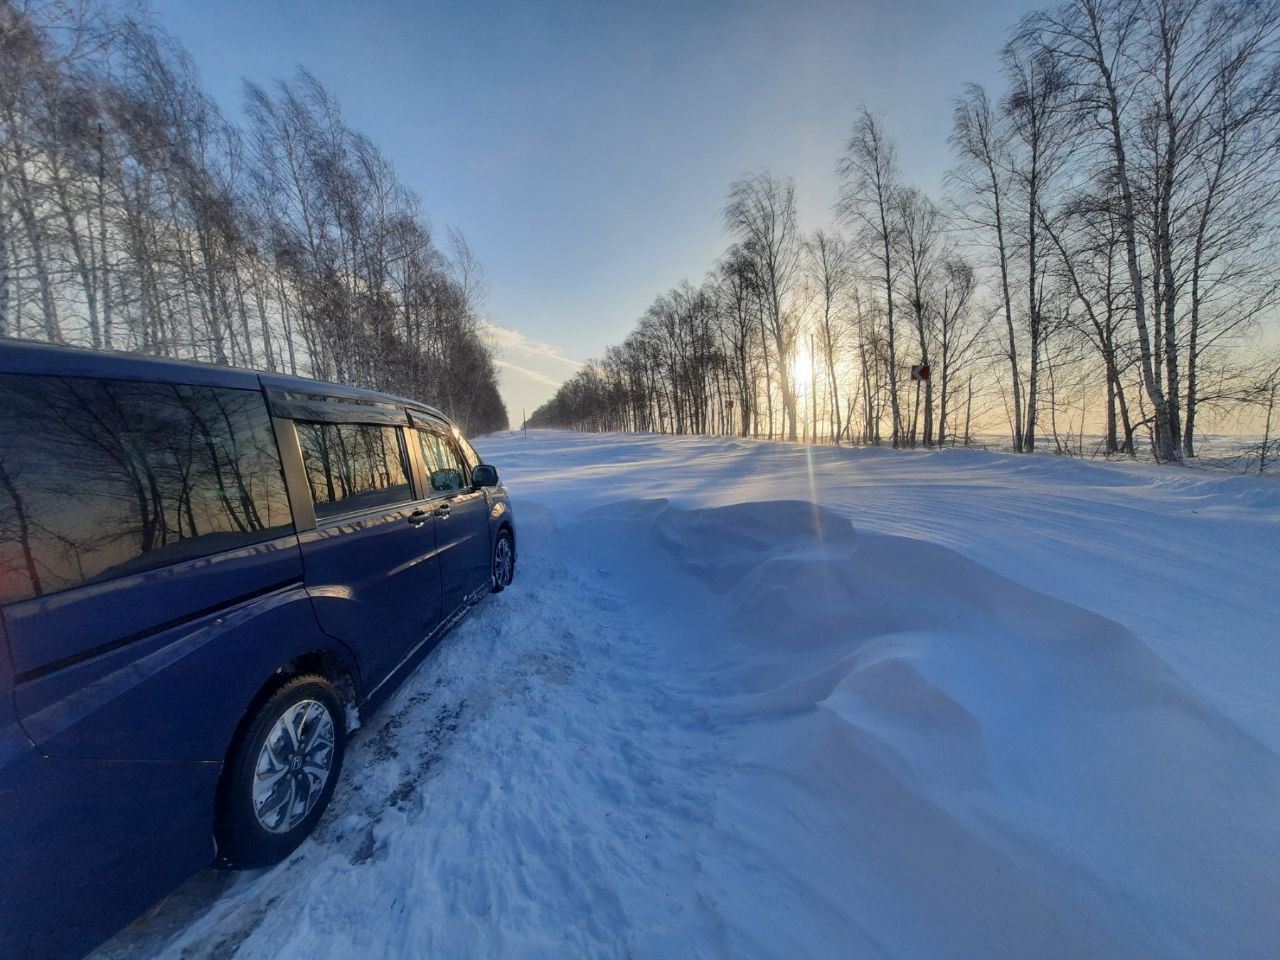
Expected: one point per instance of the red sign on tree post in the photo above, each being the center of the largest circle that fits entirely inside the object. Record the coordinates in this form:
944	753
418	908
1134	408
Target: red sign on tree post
920	371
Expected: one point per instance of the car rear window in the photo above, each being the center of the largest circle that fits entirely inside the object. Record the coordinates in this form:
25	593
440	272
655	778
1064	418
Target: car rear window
102	478
353	467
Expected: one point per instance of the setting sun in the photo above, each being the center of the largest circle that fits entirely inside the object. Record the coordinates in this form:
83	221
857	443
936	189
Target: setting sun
802	368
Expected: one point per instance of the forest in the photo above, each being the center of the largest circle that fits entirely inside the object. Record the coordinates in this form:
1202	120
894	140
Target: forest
134	215
1100	276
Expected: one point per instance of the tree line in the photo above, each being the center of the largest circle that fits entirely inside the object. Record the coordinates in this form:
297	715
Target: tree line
135	216
1105	259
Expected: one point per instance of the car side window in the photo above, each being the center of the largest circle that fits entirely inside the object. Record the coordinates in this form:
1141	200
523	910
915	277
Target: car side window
353	467
104	478
468	452
445	471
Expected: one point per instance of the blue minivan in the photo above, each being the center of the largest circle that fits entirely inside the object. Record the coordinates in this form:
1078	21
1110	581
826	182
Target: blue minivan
206	576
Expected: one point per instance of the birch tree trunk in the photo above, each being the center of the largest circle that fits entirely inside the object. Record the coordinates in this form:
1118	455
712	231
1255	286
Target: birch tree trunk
4	264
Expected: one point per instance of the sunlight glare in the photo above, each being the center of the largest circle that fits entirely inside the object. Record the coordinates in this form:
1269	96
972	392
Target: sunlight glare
802	369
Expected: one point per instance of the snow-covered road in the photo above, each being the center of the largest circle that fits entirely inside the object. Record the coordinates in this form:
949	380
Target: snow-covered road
1021	706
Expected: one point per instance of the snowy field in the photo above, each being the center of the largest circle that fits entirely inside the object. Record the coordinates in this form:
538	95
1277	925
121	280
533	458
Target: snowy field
969	705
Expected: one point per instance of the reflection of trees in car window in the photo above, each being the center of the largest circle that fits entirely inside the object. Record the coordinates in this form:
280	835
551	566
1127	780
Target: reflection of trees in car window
100	478
352	466
441	463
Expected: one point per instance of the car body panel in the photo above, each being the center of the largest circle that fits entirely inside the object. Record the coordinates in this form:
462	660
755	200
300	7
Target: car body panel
148	701
58	629
374	582
465	540
69	880
65	880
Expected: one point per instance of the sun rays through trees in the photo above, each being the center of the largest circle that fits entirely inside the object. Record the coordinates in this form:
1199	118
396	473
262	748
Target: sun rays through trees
1097	276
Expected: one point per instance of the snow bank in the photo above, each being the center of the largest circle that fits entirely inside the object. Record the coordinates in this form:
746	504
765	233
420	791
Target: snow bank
941	762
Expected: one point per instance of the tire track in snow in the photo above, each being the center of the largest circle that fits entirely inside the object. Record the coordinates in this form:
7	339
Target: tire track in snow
534	789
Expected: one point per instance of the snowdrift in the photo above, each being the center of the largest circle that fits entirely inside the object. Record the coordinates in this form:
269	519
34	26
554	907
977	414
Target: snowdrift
932	760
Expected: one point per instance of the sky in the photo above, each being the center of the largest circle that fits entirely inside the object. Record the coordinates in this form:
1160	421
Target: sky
585	148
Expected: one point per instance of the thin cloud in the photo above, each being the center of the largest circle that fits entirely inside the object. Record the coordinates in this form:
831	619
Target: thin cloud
529	372
525	371
512	342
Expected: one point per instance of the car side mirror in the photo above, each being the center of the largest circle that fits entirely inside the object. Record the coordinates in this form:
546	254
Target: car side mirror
484	475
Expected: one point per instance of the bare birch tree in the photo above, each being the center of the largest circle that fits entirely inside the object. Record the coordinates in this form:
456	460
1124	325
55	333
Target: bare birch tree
761	215
869	185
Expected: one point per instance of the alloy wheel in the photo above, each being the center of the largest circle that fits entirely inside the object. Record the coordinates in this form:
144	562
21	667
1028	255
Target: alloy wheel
504	561
293	766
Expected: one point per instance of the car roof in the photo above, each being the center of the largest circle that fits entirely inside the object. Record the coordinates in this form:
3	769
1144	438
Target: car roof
26	357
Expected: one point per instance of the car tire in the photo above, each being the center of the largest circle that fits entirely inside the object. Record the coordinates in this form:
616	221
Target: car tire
504	561
282	773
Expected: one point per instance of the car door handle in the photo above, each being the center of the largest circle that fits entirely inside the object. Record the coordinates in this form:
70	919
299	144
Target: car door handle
442	511
418	518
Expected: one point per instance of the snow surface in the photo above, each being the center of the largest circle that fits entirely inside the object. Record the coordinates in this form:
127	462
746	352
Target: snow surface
1018	707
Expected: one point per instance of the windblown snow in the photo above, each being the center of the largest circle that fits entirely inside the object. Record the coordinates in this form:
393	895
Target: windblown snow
756	700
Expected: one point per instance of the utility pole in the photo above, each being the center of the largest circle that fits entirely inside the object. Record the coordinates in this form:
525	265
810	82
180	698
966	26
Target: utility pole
524	422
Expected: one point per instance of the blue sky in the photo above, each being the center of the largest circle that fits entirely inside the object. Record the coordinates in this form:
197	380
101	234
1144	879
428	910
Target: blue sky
584	148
